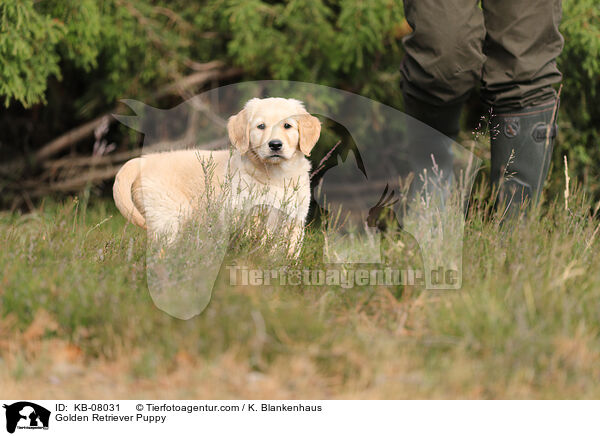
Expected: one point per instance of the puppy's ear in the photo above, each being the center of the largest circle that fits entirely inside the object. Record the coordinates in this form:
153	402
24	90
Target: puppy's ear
237	128
310	130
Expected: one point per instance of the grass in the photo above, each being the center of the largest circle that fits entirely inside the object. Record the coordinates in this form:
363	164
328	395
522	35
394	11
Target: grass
77	320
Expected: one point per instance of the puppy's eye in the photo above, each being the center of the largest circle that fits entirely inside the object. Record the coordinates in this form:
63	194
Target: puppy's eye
287	126
261	126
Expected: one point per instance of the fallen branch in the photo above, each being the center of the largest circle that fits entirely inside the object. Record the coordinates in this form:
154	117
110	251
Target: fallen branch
82	161
94	169
195	80
198	66
76	183
71	137
75	135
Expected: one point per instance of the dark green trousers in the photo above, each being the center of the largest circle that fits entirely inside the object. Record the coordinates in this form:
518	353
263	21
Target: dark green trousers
509	46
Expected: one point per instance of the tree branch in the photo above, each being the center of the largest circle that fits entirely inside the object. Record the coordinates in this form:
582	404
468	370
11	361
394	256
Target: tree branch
73	136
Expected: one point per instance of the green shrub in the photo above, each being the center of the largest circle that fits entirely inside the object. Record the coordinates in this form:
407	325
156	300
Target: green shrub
580	105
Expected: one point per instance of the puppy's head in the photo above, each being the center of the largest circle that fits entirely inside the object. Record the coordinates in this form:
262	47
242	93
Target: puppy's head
274	129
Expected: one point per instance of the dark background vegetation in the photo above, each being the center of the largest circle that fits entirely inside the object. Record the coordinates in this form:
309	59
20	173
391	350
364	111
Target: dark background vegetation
65	64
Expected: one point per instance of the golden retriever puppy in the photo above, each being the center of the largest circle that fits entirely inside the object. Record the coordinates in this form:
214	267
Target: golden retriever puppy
271	138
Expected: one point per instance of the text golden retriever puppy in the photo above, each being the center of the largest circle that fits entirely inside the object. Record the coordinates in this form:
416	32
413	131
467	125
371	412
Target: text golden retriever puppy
267	166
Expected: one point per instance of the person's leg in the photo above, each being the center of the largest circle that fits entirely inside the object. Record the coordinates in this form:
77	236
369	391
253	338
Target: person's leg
443	55
442	64
521	45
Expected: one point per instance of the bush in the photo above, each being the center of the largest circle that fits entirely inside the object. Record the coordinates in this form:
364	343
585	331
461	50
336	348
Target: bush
579	117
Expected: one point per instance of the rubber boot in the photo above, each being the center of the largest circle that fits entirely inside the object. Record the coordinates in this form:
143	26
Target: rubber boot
430	147
521	155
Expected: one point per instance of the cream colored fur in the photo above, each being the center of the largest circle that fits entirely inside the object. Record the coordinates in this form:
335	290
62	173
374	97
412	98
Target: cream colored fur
160	191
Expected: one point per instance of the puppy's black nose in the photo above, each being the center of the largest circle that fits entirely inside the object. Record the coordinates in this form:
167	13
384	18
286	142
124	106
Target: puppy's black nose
275	144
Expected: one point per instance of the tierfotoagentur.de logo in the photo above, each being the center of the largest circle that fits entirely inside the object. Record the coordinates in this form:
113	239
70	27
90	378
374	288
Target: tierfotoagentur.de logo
346	278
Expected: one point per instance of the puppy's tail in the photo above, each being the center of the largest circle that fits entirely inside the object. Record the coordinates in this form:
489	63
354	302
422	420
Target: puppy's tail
122	192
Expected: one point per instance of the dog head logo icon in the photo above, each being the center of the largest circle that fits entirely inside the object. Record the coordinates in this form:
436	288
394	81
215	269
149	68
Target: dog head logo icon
26	415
